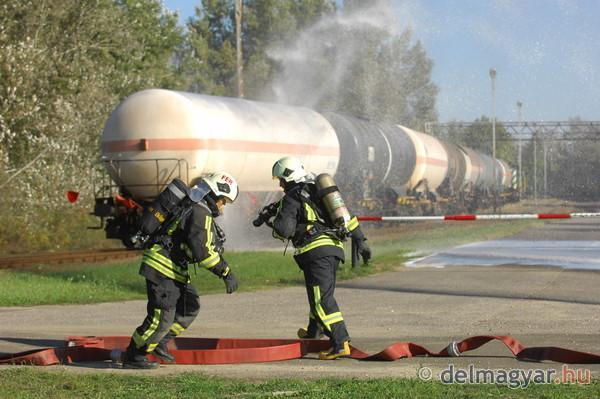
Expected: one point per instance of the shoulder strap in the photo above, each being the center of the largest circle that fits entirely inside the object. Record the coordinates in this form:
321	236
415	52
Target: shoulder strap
308	194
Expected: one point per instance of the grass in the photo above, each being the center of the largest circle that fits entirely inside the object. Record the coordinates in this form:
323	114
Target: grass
428	237
116	282
33	383
255	270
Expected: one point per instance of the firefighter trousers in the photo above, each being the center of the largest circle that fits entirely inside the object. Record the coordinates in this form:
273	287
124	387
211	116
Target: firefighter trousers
172	307
319	277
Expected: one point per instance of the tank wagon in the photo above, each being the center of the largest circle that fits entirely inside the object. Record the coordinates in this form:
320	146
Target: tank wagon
156	135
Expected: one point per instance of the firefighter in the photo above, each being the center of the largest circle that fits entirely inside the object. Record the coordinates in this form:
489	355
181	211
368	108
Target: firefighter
302	217
193	240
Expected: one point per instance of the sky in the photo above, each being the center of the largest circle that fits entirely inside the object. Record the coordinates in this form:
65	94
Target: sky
546	54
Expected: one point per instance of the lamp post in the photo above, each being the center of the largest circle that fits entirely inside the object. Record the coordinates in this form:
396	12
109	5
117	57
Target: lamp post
239	70
519	105
495	186
535	167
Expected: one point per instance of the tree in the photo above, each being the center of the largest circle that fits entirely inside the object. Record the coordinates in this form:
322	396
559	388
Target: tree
64	65
573	166
348	63
478	136
208	57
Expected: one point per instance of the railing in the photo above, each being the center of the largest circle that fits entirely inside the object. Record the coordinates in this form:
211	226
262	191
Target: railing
107	187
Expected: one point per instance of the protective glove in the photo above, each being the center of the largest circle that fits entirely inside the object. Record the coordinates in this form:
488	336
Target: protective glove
231	282
364	251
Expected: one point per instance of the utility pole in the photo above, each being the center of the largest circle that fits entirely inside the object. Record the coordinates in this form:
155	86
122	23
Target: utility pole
545	169
520	180
535	167
495	186
238	48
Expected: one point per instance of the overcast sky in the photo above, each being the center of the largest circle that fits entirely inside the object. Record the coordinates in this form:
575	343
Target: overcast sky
546	54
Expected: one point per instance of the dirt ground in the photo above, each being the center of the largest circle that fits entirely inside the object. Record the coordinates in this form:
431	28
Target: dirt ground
431	307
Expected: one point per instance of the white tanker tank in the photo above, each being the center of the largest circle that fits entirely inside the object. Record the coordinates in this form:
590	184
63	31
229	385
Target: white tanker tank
156	135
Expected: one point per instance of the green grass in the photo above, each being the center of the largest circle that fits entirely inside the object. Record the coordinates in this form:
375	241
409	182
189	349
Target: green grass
33	383
116	282
255	270
432	236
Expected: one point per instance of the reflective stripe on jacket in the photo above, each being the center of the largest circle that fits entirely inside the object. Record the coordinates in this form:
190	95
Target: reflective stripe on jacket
194	244
294	219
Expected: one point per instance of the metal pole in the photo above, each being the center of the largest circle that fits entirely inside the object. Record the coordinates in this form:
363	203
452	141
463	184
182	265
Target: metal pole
545	170
493	77
520	175
535	167
238	48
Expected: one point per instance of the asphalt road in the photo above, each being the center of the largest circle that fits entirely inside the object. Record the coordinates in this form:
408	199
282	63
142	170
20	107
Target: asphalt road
539	306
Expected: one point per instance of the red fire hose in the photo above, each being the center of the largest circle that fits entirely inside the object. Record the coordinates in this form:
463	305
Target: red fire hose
231	351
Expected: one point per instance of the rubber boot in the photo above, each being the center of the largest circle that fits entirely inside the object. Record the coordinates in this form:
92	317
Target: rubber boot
335	352
135	358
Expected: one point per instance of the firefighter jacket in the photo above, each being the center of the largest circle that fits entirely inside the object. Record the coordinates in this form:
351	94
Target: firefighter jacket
301	217
194	240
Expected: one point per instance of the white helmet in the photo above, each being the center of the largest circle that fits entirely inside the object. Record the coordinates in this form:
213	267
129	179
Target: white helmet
289	169
223	184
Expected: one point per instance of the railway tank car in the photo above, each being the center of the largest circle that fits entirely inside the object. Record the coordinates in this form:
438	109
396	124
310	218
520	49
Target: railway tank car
156	135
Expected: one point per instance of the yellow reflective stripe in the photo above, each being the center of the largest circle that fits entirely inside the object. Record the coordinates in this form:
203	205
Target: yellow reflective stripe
311	216
163	260
177	328
318	307
166	266
151	347
140	340
155	254
213	257
168	272
327	319
352	224
152	329
209	262
333	318
319	242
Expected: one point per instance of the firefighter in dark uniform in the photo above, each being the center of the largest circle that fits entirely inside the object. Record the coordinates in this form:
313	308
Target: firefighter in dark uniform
302	217
193	240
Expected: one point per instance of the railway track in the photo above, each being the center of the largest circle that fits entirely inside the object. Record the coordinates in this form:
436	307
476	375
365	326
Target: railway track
61	258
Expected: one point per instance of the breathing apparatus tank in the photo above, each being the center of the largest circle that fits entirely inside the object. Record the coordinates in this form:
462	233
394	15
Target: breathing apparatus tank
331	197
167	206
164	206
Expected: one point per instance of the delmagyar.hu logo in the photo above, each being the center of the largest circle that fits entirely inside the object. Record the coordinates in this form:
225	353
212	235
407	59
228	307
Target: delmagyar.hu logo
513	378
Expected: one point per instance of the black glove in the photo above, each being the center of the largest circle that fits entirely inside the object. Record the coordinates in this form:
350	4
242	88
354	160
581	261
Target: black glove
364	251
265	215
231	283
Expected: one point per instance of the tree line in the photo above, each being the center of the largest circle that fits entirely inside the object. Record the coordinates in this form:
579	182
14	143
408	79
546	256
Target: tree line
65	64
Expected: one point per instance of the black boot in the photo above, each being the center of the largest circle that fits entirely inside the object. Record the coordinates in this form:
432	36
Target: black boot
135	358
162	352
162	349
